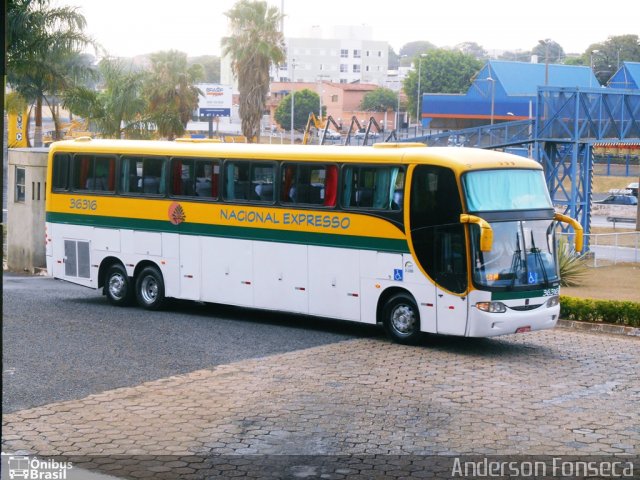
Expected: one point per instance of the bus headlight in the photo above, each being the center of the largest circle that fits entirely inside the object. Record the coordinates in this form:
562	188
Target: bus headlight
491	307
553	301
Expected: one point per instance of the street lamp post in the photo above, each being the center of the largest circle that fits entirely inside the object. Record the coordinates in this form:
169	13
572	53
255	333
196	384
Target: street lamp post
591	64
493	94
418	109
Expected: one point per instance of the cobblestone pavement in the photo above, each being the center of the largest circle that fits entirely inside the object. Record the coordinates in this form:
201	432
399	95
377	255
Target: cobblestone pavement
555	392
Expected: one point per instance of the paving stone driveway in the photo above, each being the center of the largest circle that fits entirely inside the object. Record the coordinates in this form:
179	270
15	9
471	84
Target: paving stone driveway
555	392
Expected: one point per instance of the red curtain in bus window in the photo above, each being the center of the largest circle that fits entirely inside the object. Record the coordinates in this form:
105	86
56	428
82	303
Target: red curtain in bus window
177	177
112	175
331	186
289	173
85	165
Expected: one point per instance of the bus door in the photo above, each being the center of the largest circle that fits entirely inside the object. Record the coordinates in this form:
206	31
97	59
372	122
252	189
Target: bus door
450	274
438	242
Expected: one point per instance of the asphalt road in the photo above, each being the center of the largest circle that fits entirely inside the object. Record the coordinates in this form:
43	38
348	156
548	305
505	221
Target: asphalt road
63	341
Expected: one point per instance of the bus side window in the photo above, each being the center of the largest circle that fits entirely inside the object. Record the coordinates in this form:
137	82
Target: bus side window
142	175
93	173
372	187
308	184
60	175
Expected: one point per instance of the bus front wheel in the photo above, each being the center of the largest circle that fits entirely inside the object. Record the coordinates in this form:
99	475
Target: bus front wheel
118	286
150	289
401	319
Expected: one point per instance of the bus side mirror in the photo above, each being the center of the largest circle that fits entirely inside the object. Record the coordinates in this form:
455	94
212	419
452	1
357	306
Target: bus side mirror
486	233
577	228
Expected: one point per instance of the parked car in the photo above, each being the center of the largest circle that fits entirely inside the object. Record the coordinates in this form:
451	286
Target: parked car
619	200
331	135
634	188
361	134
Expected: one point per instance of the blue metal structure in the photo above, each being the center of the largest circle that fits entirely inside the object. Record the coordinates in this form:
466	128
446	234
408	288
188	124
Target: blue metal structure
627	76
560	136
501	91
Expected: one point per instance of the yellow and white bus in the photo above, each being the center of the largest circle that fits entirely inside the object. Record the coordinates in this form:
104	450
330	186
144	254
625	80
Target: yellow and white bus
445	240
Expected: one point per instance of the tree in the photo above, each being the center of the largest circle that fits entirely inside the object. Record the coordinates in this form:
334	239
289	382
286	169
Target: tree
606	57
379	100
170	91
306	101
254	45
39	39
548	51
413	49
441	71
210	65
118	109
473	49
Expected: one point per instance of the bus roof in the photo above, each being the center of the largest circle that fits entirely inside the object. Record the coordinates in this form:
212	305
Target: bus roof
457	158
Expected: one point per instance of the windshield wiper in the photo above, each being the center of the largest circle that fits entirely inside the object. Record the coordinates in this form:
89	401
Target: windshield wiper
516	261
538	257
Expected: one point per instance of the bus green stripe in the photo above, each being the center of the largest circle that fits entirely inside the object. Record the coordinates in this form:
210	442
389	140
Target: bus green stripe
244	233
517	295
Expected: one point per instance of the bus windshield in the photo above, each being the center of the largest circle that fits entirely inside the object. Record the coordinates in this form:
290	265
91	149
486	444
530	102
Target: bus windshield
522	255
509	189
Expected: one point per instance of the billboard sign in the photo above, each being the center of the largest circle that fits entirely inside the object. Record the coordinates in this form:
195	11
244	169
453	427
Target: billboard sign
215	100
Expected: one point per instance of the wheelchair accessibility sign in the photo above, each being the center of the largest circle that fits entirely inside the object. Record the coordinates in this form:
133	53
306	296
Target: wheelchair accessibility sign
397	274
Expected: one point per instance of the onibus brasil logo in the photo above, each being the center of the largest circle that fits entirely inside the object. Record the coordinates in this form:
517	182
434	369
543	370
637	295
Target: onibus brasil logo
34	468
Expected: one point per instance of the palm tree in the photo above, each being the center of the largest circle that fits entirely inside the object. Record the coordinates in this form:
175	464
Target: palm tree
118	108
38	38
171	92
254	45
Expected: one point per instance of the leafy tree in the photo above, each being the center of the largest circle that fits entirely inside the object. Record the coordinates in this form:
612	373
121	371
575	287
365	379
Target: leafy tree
394	59
441	71
413	49
548	51
118	109
473	49
515	56
40	40
305	102
210	65
379	100
254	45
171	92
608	56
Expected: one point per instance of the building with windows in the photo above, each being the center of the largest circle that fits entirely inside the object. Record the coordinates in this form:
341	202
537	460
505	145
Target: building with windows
347	55
340	100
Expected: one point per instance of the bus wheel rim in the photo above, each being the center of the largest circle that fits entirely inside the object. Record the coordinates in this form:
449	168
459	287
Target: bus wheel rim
149	289
117	286
403	319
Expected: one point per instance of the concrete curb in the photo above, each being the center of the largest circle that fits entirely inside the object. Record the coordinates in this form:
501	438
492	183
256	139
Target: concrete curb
599	327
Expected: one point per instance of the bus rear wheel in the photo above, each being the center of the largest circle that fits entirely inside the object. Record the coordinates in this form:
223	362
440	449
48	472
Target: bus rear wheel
118	287
401	319
150	289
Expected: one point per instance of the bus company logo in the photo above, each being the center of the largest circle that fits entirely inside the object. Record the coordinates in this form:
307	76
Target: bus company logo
35	468
176	213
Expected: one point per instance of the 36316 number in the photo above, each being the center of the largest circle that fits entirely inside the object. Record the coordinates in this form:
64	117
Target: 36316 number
82	204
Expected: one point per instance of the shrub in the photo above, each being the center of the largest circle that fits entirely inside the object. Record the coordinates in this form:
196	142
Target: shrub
606	311
573	266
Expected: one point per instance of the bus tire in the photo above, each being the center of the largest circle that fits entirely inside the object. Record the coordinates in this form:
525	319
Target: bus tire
118	286
150	288
401	319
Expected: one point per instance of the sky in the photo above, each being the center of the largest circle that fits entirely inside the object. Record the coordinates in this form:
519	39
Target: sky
135	27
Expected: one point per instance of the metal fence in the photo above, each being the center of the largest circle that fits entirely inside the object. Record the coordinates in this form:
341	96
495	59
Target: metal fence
611	248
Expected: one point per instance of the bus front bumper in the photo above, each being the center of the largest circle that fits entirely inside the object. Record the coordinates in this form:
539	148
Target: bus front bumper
486	324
